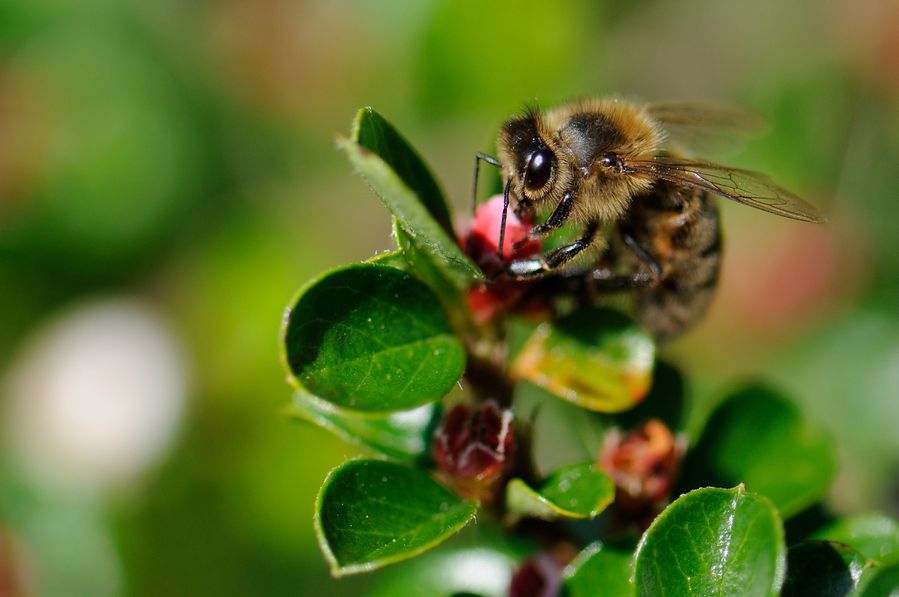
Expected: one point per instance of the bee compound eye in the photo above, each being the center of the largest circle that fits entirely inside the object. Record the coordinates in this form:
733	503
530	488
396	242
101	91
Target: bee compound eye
612	161
539	169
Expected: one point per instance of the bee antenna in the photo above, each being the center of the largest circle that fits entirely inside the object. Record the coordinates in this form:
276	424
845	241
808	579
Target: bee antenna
502	222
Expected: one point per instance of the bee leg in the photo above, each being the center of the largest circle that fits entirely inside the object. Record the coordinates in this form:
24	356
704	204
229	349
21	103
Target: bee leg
555	221
643	254
605	279
478	158
529	268
608	281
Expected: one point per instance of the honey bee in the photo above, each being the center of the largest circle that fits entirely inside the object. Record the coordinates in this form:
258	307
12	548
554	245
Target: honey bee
612	167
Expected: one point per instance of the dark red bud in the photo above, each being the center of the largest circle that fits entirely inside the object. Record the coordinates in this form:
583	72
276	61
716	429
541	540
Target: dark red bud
475	444
541	575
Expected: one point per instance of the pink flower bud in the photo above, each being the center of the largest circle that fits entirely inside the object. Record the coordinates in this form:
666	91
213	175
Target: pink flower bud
481	243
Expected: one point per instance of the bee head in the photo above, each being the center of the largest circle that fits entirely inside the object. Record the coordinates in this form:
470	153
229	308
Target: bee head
532	161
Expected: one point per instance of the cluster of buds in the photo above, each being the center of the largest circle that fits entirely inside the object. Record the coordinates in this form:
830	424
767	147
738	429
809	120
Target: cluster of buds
474	446
643	464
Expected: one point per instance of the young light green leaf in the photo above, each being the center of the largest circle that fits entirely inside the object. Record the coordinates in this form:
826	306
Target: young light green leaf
881	582
398	191
401	435
575	491
598	359
822	569
599	570
713	542
370	513
757	437
874	534
370	338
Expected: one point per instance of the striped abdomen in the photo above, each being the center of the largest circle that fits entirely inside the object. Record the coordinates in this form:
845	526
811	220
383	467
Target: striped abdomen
679	228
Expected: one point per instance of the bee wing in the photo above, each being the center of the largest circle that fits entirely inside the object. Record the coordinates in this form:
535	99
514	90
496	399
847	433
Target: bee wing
705	127
743	186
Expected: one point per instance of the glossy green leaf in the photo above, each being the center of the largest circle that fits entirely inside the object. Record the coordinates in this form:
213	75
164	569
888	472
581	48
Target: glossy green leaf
759	438
419	216
822	569
873	534
881	582
370	513
374	133
401	435
599	570
713	542
480	560
371	338
575	491
598	359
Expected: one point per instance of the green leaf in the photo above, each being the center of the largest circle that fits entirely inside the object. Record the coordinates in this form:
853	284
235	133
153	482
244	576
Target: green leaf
370	338
480	560
713	542
371	513
759	438
882	582
401	435
599	569
398	192
822	569
374	133
666	401
598	359
575	491
873	534
427	271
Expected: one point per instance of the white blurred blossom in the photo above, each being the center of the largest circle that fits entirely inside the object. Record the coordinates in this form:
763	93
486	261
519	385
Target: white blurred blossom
95	396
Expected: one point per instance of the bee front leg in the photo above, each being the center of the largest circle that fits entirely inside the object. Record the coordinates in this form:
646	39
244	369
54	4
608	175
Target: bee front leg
531	268
555	221
478	158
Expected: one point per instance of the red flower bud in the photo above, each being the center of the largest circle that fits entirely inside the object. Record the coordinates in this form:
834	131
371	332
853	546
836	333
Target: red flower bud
475	445
644	464
481	243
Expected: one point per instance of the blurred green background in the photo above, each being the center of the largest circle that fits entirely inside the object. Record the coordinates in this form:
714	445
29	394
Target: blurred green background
168	178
